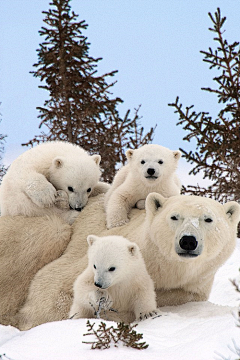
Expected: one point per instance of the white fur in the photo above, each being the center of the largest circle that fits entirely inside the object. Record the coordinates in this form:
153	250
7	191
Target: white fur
150	168
38	181
117	277
188	273
177	279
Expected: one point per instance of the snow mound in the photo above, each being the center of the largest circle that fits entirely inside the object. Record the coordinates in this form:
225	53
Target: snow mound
193	331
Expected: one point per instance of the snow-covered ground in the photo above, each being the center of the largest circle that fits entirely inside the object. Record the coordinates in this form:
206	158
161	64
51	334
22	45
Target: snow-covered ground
194	331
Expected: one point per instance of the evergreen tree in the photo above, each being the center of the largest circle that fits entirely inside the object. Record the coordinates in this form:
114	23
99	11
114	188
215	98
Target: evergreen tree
79	109
218	141
3	169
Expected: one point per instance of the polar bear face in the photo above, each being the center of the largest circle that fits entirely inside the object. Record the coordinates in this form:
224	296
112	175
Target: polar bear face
152	162
185	228
112	259
77	177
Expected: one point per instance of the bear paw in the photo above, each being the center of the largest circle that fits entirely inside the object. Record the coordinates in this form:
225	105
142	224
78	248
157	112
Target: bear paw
113	224
140	204
102	298
42	193
100	301
61	200
69	216
152	314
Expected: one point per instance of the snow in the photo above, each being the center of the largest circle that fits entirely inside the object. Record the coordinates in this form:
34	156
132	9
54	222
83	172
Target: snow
195	222
193	331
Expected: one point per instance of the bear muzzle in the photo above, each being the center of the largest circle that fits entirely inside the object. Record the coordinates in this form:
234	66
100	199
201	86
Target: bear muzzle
101	285
151	174
98	285
188	241
77	208
188	246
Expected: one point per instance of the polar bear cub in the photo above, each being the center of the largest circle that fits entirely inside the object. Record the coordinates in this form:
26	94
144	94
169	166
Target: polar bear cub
151	168
115	279
53	177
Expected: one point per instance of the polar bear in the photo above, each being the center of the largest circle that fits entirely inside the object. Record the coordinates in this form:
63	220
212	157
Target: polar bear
27	244
183	240
115	280
151	168
53	177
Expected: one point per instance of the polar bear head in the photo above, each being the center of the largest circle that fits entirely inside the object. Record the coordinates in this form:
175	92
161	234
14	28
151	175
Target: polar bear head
188	228
152	162
113	259
76	176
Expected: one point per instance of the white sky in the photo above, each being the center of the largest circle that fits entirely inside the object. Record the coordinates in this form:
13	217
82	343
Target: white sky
154	44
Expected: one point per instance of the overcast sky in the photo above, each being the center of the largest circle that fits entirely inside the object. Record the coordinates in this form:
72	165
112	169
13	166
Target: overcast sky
154	44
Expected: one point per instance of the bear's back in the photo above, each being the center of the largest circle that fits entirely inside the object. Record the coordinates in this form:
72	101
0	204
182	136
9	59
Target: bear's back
43	154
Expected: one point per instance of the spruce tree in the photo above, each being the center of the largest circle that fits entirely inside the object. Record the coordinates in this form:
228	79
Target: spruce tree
217	140
80	108
3	168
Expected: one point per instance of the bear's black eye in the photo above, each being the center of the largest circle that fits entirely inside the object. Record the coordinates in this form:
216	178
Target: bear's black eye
174	218
208	220
94	266
160	162
112	268
70	189
89	190
142	162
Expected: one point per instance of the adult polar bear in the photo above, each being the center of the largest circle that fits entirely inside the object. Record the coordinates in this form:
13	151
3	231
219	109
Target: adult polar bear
51	178
183	239
26	245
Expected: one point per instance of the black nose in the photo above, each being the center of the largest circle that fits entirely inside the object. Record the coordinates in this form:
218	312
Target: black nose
188	242
78	209
98	285
150	171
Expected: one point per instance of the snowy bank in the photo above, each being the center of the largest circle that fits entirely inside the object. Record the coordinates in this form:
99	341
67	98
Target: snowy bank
193	331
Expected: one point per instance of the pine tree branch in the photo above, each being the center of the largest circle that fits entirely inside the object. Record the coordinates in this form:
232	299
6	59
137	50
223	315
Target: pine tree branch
217	141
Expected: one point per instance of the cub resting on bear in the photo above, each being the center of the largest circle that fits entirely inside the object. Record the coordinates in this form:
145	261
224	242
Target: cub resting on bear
183	240
113	263
55	177
150	168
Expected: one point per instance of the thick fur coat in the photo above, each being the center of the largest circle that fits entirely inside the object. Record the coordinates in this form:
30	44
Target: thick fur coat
26	246
150	168
115	281
183	240
51	178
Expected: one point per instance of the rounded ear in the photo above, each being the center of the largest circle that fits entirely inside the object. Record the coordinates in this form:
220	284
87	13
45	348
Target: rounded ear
177	154
232	209
154	202
133	249
91	239
97	159
58	162
129	153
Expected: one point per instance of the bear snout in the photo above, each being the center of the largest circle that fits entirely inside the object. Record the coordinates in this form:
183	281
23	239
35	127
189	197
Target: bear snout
188	243
98	285
102	284
77	208
151	171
